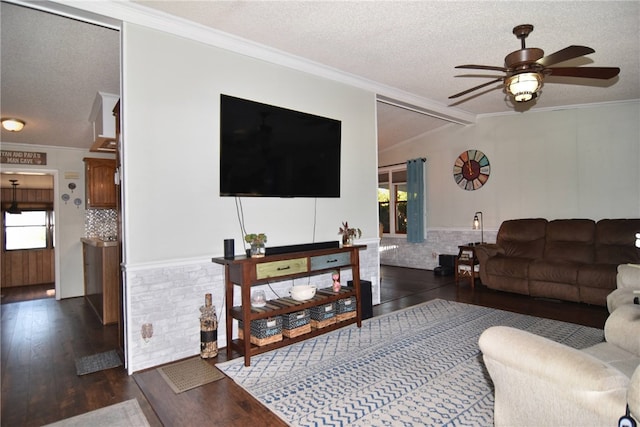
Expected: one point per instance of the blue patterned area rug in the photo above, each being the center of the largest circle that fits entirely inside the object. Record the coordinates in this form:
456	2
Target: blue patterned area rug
416	367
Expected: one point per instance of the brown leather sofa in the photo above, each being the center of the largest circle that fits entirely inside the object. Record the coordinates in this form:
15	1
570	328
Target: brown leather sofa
567	259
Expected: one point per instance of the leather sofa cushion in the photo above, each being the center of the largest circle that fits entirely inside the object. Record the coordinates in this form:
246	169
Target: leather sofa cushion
523	238
601	276
594	296
508	266
554	271
557	290
570	240
615	241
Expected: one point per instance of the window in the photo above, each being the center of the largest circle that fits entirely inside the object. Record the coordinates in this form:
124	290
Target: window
392	199
28	230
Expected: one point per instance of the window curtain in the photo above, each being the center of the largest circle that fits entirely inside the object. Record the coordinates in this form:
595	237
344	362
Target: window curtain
415	200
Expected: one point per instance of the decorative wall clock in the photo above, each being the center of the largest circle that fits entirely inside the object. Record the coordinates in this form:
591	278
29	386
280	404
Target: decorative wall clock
471	170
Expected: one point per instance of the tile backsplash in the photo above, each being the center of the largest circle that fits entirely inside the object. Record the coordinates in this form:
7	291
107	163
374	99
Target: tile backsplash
101	223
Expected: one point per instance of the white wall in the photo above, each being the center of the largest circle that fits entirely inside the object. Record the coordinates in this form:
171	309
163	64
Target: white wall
69	218
174	219
171	147
577	163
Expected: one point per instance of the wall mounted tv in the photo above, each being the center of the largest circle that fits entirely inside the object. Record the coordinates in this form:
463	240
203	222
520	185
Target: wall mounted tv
269	151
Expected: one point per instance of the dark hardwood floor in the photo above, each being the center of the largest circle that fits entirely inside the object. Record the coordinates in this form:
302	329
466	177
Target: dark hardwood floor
41	339
28	293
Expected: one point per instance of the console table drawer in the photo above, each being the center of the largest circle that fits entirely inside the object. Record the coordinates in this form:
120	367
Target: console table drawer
281	268
329	261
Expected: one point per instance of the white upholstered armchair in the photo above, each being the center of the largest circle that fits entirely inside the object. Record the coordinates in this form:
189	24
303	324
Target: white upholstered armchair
539	382
627	286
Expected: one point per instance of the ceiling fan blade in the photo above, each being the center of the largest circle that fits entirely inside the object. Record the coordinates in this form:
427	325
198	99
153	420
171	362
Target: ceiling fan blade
564	55
482	67
476	88
585	72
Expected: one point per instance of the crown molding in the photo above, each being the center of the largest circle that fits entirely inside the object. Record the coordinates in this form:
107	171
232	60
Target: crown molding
115	11
72	10
6	145
562	107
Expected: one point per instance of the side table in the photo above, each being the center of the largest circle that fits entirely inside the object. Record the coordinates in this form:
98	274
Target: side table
468	261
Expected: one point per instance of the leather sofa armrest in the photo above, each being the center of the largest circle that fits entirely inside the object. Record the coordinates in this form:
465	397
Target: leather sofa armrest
487	250
530	372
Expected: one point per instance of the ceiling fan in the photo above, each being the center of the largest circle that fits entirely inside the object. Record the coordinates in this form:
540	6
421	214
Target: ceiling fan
526	68
14	209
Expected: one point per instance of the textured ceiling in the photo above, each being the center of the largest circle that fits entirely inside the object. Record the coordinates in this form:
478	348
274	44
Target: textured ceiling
52	67
26	181
414	46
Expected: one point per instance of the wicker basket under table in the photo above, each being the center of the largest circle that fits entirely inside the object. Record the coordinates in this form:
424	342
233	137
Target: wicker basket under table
263	331
296	324
323	315
346	309
296	332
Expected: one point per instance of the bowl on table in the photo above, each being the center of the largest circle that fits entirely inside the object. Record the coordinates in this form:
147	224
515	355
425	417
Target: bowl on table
302	292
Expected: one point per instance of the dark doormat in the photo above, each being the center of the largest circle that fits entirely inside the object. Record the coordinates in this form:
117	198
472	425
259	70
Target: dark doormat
188	374
97	362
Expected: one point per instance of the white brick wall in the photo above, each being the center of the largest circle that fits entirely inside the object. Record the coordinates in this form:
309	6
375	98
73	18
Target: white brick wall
398	252
169	296
370	267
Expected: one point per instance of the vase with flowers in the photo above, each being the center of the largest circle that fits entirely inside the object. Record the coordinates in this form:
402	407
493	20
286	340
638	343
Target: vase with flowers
257	242
349	233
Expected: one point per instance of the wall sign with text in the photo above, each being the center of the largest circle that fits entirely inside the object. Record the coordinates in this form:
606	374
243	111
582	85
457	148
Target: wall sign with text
23	158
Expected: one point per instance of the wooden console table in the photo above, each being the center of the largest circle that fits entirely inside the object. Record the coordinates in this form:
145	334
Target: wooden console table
467	257
246	272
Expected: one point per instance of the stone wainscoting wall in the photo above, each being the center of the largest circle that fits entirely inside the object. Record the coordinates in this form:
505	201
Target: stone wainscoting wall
396	251
169	296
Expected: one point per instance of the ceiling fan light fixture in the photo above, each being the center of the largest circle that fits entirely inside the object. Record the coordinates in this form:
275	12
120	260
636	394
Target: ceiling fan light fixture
12	125
524	86
526	67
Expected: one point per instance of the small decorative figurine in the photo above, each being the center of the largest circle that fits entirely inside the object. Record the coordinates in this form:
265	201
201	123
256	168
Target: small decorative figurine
336	281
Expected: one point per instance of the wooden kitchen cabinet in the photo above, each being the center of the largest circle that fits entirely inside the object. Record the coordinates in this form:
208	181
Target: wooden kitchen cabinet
100	183
101	278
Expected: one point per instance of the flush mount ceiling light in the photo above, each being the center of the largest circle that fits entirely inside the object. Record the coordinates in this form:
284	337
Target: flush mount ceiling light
12	125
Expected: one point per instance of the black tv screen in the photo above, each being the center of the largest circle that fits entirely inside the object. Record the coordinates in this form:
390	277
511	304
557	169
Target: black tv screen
271	151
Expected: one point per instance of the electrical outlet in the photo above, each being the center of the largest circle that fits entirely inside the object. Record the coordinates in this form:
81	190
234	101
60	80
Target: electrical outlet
434	254
147	331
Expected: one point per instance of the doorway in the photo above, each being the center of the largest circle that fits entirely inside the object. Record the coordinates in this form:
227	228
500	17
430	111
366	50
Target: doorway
61	58
28	236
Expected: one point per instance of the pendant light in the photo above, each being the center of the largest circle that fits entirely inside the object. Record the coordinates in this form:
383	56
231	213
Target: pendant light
14	209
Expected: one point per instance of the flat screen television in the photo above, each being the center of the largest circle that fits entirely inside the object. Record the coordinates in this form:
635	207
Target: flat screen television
269	151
